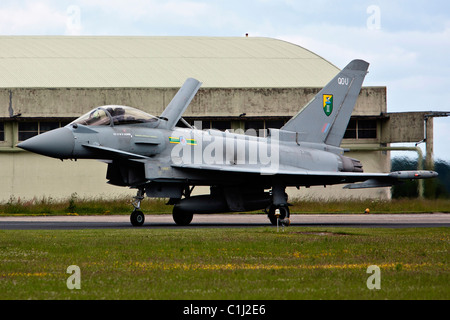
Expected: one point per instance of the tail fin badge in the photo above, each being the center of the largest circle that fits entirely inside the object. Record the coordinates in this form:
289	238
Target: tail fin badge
328	104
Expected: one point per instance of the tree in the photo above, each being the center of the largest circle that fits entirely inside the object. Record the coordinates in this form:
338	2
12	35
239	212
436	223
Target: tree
433	188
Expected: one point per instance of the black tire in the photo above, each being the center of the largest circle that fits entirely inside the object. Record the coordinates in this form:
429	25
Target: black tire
181	218
137	218
284	213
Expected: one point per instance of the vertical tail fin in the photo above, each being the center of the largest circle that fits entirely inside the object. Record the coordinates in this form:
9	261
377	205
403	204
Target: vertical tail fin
180	102
325	118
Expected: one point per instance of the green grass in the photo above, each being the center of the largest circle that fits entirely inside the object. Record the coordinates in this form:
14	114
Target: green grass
222	263
77	206
375	206
98	206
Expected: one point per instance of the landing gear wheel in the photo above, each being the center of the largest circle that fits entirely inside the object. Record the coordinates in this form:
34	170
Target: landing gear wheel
284	213
181	218
137	218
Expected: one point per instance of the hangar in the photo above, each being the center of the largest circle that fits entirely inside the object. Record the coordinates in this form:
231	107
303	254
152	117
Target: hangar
248	83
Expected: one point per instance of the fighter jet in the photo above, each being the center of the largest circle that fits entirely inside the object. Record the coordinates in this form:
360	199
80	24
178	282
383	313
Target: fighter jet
244	172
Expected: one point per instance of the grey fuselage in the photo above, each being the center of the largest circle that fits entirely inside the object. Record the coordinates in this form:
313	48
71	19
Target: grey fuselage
162	152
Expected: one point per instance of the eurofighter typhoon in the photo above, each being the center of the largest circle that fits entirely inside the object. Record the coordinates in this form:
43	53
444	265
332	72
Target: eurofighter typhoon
244	172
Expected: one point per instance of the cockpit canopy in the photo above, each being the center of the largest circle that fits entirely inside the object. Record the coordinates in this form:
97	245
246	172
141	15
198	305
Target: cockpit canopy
116	115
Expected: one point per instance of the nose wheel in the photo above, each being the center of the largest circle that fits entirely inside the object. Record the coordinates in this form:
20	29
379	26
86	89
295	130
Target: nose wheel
137	217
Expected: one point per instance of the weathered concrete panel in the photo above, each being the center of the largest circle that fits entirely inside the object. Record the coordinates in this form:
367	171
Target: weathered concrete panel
403	127
72	102
371	101
75	102
27	176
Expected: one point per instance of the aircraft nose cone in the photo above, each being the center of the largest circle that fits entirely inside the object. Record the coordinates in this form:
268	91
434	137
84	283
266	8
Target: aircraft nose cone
58	143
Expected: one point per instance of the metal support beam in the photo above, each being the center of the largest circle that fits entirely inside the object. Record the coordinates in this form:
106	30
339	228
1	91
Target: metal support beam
420	189
429	162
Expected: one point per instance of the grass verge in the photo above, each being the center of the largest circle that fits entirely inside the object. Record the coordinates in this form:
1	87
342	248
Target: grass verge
77	206
247	263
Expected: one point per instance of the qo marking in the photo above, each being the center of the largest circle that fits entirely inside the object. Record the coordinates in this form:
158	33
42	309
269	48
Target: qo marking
343	81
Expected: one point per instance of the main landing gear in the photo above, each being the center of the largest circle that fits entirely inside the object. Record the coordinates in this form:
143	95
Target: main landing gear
279	209
283	215
181	218
137	217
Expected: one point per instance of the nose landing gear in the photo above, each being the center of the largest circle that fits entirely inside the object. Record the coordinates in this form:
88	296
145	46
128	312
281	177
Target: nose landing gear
137	217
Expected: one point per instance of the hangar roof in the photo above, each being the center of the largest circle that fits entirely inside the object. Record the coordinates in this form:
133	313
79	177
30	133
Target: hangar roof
158	62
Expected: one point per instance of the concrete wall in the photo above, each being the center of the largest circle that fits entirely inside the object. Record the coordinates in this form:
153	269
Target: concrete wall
404	127
28	176
73	102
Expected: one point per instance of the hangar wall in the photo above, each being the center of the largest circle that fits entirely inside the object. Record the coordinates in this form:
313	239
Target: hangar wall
209	102
26	175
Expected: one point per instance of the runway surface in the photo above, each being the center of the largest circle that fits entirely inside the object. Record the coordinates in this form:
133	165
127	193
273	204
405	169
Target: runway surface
226	220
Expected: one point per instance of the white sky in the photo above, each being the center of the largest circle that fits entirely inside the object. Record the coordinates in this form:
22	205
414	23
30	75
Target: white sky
406	42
